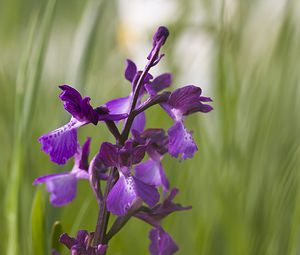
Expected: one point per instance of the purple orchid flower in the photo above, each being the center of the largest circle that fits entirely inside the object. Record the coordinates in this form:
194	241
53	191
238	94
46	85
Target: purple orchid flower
155	215
63	186
132	167
128	188
61	144
183	102
161	242
151	171
80	244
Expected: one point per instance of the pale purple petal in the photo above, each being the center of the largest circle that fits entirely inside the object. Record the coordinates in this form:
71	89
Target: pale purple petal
151	172
119	105
159	83
62	187
139	122
161	243
109	154
181	141
147	193
61	144
130	70
122	195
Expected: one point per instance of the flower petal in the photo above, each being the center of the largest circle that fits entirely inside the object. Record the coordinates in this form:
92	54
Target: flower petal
109	154
181	141
139	122
119	105
62	187
147	193
61	144
161	243
151	172
122	195
130	70
159	83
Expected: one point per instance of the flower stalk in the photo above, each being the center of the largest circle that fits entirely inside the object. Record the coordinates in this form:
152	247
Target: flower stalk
132	180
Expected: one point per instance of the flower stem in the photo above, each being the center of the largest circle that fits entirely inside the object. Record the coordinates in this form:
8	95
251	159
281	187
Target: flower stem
103	216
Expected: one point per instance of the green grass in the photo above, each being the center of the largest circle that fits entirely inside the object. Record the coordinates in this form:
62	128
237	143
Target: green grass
243	183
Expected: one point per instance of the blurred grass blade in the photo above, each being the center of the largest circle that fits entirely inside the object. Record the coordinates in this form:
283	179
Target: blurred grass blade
56	232
38	224
83	43
31	80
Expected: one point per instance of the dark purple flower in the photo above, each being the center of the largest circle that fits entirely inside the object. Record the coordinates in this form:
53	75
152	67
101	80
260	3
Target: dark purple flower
128	188
61	144
152	172
181	141
63	186
126	191
160	211
182	102
161	242
158	41
81	245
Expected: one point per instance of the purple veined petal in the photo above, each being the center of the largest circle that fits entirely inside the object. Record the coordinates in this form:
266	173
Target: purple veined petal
130	70
119	105
181	141
77	106
139	122
151	172
61	144
159	83
205	99
121	196
72	100
62	187
109	154
184	98
148	193
88	113
161	243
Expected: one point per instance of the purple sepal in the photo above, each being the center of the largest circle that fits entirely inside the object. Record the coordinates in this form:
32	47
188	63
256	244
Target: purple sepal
130	70
109	154
126	191
187	100
61	144
152	172
181	142
79	107
160	211
161	242
119	106
162	34
159	83
139	122
61	186
158	40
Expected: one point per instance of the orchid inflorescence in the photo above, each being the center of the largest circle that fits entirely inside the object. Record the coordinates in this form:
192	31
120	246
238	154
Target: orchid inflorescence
132	181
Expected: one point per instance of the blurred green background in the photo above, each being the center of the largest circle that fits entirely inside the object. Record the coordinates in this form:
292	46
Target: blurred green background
243	184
